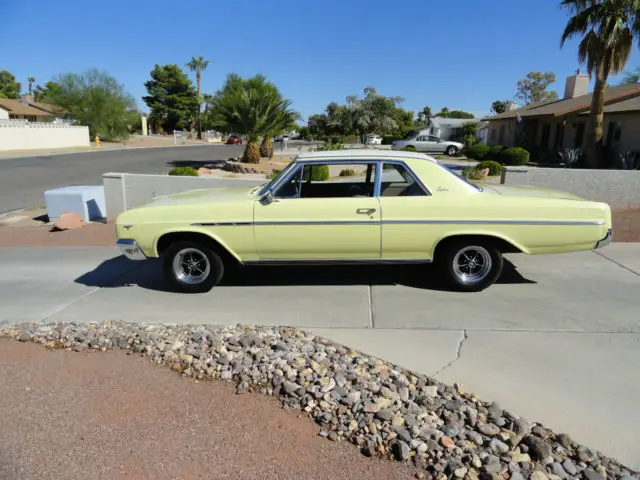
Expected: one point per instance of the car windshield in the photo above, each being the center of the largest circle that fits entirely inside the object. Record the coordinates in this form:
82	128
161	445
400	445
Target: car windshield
267	186
460	177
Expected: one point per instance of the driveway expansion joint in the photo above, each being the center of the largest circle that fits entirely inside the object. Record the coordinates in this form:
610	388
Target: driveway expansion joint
617	263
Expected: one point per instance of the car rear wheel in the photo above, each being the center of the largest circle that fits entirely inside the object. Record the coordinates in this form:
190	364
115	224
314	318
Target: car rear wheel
469	266
451	150
192	267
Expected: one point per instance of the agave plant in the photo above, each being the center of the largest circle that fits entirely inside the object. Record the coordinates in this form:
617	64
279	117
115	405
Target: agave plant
252	108
628	160
570	156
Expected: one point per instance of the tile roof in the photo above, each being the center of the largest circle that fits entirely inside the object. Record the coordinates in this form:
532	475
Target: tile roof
613	96
15	107
54	109
452	122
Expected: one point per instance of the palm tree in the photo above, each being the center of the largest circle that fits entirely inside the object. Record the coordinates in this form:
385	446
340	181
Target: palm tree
198	65
607	29
31	81
252	108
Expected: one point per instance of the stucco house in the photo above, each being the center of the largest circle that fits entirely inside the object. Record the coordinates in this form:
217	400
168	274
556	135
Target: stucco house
11	109
452	128
545	128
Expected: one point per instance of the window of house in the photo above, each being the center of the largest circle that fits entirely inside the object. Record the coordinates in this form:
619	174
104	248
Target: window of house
331	180
614	132
578	139
546	133
501	139
397	181
559	137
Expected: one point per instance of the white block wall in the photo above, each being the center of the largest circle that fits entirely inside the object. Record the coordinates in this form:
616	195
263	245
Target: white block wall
28	136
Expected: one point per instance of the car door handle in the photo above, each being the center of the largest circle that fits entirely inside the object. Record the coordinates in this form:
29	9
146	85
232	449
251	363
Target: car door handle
365	211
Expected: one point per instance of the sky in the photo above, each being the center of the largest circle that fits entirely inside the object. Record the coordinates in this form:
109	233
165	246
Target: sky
460	54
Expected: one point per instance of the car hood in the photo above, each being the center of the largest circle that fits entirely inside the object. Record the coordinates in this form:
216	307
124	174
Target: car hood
526	191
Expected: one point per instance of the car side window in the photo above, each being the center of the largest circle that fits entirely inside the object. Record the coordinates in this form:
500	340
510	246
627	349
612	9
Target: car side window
433	139
397	181
421	138
332	180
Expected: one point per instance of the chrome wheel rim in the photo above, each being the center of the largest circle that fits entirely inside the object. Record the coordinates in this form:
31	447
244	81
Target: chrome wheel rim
191	266
472	264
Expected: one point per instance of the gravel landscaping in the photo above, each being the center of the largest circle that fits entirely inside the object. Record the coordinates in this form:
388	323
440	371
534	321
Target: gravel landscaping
384	409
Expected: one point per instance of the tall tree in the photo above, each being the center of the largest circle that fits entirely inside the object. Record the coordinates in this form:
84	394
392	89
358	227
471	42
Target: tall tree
446	113
198	65
253	108
631	77
607	29
50	89
31	80
9	88
533	88
96	100
172	98
499	106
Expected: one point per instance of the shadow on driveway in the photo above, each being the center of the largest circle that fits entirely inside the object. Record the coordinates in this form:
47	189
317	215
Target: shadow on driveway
120	272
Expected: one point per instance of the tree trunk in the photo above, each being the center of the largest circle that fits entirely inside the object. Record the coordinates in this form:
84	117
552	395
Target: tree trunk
198	76
596	119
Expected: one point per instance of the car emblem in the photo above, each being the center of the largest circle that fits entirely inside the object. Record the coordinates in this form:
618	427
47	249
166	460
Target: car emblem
127	227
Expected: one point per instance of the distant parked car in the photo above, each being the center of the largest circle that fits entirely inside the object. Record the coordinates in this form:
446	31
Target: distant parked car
234	139
373	139
429	144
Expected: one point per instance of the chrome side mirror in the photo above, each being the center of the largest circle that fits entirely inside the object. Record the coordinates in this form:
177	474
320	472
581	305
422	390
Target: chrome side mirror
267	198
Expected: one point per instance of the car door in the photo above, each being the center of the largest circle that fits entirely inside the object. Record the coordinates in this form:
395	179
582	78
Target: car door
337	218
436	145
421	143
405	203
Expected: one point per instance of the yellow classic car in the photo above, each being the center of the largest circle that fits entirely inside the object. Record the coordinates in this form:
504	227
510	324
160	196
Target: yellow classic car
362	207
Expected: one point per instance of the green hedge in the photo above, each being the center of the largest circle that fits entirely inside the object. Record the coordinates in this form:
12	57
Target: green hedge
478	152
319	173
494	167
471	173
495	153
183	172
348	172
514	156
409	148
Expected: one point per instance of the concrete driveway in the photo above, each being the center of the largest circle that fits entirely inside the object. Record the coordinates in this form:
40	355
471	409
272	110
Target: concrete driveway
557	340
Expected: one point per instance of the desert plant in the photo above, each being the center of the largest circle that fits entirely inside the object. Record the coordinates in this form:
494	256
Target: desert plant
266	148
477	152
251	153
515	156
628	160
183	172
409	148
472	173
494	167
570	156
348	172
331	144
315	173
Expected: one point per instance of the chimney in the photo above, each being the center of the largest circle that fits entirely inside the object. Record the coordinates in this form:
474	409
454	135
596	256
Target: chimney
510	106
576	85
28	99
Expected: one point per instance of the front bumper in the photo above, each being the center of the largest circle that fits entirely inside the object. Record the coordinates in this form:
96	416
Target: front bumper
130	249
605	241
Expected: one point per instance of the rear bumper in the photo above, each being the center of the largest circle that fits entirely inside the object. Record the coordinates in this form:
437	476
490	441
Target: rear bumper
130	249
605	241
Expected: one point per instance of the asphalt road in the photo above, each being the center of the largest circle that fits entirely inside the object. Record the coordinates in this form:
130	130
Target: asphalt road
557	340
24	180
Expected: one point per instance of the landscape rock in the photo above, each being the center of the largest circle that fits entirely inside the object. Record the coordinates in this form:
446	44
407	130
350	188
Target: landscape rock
380	407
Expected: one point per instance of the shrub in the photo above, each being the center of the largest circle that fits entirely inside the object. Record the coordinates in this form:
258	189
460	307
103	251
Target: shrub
319	173
514	156
273	174
348	172
330	145
183	172
472	173
495	153
335	139
494	167
478	152
409	148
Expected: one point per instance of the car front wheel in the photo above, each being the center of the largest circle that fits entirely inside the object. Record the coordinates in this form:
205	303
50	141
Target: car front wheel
469	266
192	267
451	150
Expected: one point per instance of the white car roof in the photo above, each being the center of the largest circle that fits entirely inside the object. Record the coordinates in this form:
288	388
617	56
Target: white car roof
363	153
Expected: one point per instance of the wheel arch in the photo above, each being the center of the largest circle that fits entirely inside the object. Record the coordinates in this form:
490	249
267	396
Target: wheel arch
167	238
505	245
